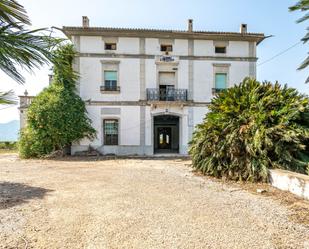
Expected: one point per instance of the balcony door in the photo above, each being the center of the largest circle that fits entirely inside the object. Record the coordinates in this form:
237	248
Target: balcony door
167	78
167	85
167	92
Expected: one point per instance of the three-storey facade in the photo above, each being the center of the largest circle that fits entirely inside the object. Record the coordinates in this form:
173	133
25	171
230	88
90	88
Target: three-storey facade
145	90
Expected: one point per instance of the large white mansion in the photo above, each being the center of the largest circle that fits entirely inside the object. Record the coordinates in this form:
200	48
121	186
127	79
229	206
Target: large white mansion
145	90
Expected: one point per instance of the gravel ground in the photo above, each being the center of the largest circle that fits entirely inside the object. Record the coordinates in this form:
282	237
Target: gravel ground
135	203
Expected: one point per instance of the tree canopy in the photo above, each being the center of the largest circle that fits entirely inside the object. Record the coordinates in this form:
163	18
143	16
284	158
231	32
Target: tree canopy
57	117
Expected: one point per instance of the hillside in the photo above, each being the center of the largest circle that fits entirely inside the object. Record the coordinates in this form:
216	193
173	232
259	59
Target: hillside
9	131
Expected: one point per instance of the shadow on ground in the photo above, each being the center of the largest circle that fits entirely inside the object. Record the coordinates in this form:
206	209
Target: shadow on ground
12	194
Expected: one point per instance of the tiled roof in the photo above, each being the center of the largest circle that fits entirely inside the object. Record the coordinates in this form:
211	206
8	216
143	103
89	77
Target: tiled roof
141	32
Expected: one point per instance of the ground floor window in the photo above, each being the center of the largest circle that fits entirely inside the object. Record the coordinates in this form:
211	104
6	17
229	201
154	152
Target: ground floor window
110	129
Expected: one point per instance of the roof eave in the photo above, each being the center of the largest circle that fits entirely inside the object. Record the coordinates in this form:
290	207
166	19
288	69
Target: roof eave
93	31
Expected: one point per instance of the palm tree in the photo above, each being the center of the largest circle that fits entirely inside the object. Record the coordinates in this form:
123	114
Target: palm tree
21	48
303	5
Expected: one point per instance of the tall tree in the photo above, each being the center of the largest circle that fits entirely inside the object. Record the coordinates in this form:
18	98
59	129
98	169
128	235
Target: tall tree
303	5
57	116
21	48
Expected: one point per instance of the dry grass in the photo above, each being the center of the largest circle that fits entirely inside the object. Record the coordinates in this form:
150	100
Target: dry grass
5	151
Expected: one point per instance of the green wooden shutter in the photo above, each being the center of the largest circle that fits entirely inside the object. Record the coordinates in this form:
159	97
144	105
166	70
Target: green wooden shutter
110	75
221	81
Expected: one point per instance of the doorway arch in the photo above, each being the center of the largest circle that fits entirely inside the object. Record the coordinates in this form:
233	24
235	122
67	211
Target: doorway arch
166	134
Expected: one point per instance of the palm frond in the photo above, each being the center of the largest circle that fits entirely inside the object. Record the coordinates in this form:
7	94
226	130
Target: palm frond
303	5
24	49
13	13
306	37
7	98
304	64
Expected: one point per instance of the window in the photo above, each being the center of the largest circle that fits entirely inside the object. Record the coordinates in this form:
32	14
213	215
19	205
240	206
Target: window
110	80
220	82
166	48
220	50
110	129
110	46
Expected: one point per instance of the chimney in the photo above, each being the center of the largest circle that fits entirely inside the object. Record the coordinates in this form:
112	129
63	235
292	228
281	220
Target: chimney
190	25
85	22
243	28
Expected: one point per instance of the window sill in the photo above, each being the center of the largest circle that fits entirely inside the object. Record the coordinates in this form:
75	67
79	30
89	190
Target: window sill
216	91
110	92
110	51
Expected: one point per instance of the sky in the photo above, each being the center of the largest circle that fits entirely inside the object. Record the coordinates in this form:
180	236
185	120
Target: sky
270	17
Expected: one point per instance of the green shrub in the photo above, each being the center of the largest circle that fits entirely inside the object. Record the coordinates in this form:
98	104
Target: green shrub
30	145
57	116
8	145
251	128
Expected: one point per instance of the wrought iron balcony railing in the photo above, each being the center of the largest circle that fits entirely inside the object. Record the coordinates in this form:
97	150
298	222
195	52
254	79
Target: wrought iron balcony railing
155	94
217	90
110	88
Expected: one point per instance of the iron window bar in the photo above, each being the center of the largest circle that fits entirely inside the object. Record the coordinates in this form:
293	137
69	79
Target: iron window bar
109	88
218	90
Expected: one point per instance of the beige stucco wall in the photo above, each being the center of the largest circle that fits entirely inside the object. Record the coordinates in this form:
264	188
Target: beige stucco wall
136	64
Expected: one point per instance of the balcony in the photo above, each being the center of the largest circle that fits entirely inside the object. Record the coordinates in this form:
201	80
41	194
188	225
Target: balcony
110	89
156	94
25	101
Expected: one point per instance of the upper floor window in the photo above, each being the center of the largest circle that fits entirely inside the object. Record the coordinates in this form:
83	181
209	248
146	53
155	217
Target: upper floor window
110	46
220	50
220	82
166	48
110	130
110	81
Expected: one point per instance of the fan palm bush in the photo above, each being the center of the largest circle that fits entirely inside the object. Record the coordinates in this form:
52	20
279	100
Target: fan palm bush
251	128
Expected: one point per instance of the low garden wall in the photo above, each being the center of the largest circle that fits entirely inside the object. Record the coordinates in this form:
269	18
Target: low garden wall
295	183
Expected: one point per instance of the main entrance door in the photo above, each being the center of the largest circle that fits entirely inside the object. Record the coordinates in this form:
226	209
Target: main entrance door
166	134
164	138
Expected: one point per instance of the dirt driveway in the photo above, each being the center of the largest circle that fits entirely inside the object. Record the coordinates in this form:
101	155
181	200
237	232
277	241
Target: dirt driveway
135	203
